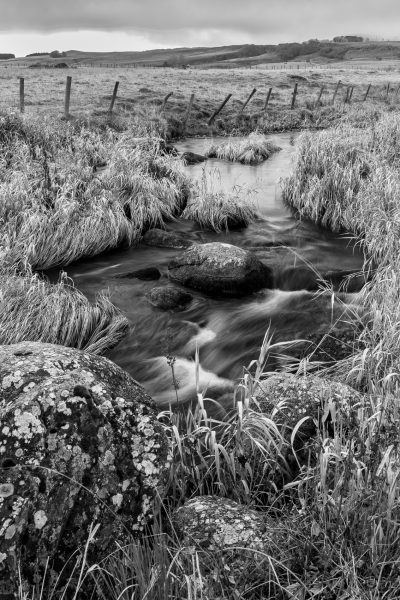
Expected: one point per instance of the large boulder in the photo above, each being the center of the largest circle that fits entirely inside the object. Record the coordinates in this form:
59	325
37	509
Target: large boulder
220	269
80	444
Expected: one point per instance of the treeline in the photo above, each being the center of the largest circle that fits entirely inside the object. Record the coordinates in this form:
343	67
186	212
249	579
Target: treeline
53	54
326	49
6	56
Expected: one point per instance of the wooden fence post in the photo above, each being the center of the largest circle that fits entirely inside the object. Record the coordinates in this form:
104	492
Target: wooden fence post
387	90
114	96
220	107
166	98
188	111
320	95
346	99
67	96
351	93
267	99
294	96
336	91
367	92
22	94
248	100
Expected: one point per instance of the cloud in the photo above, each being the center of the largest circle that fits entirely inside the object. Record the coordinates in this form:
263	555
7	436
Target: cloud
196	22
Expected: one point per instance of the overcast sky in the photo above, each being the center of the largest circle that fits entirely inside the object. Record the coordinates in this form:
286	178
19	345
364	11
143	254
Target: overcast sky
105	25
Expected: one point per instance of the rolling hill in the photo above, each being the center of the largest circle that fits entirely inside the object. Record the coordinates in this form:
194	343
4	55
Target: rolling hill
228	56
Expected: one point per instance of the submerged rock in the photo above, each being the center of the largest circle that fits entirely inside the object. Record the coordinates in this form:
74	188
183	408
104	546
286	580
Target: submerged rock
169	298
147	274
220	269
191	158
80	444
164	239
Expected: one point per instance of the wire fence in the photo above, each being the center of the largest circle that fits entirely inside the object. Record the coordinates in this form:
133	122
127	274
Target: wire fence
50	90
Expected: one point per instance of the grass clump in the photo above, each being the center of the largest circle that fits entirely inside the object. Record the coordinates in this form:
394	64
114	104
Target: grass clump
55	207
253	150
32	309
150	185
218	210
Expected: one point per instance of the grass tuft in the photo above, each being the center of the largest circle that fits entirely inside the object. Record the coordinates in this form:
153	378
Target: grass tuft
253	150
218	210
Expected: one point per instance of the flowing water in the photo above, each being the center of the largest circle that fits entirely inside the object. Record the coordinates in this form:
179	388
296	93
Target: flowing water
228	332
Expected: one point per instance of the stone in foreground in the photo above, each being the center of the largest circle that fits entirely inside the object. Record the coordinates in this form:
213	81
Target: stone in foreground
233	538
80	444
220	269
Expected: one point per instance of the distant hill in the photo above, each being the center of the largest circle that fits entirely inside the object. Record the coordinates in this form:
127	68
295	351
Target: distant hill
230	56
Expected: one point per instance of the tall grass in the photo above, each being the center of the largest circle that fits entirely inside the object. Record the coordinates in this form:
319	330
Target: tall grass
251	151
32	309
56	208
348	179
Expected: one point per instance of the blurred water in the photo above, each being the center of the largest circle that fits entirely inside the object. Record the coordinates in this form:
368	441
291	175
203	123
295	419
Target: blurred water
229	332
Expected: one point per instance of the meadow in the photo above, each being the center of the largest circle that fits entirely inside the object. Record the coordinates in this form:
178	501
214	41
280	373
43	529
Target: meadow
79	187
147	87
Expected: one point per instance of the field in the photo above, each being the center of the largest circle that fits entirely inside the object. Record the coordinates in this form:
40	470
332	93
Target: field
314	459
142	88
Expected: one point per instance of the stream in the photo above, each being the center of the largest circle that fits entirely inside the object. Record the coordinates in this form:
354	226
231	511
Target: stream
228	332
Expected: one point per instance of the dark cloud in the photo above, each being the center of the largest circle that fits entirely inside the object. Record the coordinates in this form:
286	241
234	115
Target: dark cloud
174	19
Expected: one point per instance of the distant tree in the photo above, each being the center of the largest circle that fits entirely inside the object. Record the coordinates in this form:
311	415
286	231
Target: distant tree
6	56
288	51
57	54
347	38
38	54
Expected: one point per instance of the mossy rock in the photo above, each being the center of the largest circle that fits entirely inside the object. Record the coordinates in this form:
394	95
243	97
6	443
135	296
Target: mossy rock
169	298
80	444
220	269
321	402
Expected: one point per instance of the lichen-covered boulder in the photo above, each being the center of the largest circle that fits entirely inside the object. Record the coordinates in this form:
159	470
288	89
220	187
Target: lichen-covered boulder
220	269
80	444
169	297
232	538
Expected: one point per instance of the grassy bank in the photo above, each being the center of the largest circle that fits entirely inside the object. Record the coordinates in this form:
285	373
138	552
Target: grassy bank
347	178
67	191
